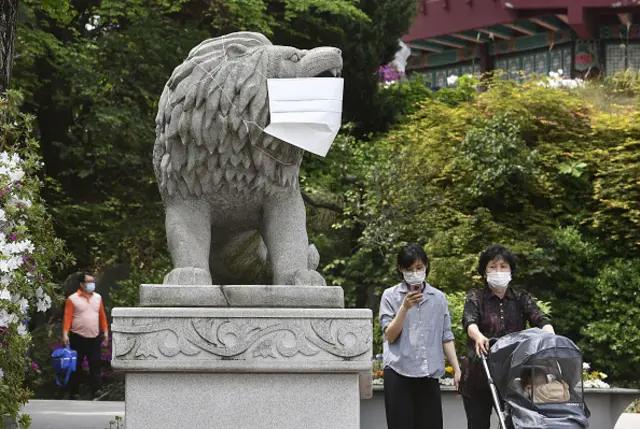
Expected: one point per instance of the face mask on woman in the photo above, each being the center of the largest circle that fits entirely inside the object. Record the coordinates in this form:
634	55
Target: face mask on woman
499	280
414	277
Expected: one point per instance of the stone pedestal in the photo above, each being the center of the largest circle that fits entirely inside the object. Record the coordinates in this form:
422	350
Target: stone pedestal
224	367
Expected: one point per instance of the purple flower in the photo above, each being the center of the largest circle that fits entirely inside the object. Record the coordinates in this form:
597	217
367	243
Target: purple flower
18	186
388	73
35	366
13	237
41	278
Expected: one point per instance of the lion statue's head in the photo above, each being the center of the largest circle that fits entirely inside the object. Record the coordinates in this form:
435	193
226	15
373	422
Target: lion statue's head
213	109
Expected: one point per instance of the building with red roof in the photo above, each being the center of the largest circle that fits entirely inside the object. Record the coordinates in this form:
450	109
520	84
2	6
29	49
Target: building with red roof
579	37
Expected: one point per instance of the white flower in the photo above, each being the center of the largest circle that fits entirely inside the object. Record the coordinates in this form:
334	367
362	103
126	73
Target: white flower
16	175
560	72
10	264
586	366
39	292
378	382
22	201
7	318
22	329
23	304
596	384
5	280
9	167
4	294
1	374
451	80
3	216
17	247
447	382
43	304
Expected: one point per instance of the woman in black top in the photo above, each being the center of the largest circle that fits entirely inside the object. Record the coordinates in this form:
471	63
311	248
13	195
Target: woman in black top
492	312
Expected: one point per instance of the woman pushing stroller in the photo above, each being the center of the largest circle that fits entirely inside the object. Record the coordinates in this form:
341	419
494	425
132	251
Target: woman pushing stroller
492	311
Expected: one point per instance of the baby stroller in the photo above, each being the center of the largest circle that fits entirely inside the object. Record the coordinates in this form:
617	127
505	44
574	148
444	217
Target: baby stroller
538	377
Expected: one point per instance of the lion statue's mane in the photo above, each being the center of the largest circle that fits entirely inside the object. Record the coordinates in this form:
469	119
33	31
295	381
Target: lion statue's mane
210	120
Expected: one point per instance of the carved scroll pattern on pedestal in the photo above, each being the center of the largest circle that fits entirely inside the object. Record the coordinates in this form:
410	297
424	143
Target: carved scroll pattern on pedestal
240	339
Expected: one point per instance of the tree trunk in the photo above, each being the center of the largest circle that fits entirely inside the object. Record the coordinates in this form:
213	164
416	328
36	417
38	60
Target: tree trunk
8	15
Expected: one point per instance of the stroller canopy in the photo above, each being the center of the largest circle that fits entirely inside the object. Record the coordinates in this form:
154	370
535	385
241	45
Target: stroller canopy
514	353
539	376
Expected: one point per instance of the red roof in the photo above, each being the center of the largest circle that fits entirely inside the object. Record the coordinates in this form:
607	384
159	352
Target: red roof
445	17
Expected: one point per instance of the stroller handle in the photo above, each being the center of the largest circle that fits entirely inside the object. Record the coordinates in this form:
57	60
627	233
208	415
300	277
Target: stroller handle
492	341
494	391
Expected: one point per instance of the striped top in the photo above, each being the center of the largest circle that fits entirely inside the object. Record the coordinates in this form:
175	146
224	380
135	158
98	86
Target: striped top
418	350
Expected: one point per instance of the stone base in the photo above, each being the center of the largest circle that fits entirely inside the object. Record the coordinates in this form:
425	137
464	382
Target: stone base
242	401
236	368
241	296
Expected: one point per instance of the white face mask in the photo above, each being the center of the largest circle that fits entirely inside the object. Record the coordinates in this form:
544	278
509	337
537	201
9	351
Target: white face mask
499	280
90	287
414	277
306	112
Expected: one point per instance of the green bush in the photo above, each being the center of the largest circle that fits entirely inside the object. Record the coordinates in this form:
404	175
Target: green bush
612	336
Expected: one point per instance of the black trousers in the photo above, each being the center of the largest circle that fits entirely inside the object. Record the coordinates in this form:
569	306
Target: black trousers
412	403
89	348
478	411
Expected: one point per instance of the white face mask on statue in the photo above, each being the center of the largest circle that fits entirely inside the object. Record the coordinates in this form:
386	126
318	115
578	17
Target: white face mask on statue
306	112
499	280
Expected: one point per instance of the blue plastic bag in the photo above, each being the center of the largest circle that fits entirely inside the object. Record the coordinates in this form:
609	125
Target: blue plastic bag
65	361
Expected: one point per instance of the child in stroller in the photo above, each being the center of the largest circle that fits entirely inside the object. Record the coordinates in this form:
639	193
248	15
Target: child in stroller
544	388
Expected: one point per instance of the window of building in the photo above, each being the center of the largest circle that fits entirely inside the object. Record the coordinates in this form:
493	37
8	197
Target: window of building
438	77
620	57
541	62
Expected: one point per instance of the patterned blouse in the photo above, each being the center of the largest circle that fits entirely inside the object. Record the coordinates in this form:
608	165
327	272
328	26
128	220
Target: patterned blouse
495	318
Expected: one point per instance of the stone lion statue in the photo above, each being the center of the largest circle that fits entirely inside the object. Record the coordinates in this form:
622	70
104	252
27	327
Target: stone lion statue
234	212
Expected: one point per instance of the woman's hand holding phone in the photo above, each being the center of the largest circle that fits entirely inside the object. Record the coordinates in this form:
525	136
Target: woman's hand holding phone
413	297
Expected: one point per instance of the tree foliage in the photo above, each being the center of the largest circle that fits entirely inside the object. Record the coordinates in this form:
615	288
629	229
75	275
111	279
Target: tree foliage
539	169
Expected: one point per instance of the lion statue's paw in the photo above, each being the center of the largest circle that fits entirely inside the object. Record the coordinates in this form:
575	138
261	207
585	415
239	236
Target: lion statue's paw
308	278
188	276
